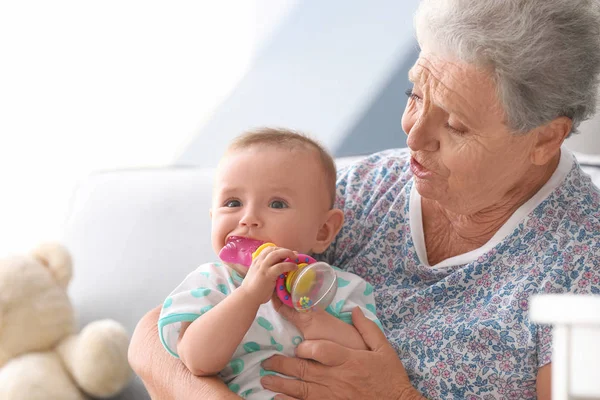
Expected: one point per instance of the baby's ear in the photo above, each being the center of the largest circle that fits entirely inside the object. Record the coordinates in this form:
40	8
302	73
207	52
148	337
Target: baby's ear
57	259
210	213
329	230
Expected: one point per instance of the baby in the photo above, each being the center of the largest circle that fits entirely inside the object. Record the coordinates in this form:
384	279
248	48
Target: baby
272	186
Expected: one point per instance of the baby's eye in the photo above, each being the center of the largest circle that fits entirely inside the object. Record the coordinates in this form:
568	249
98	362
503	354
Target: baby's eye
233	203
278	204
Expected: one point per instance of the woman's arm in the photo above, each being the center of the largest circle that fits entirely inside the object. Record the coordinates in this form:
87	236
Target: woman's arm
165	377
543	383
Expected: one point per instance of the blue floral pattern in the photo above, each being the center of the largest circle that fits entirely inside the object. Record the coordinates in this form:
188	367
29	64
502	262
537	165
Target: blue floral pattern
463	331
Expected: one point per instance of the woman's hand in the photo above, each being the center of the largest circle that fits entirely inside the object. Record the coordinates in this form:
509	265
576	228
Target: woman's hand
326	370
320	325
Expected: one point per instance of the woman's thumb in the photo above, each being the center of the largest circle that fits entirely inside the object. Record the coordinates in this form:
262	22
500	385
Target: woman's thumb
286	312
370	332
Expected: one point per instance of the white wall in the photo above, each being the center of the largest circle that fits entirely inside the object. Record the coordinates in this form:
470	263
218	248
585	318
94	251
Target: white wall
86	86
322	74
588	139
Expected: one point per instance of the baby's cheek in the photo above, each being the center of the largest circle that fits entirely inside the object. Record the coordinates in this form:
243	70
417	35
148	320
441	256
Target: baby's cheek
216	241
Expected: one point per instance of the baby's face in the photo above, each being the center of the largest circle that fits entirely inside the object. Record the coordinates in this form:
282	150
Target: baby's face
270	194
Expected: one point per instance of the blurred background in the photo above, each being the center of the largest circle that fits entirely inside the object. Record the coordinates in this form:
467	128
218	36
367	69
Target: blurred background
91	86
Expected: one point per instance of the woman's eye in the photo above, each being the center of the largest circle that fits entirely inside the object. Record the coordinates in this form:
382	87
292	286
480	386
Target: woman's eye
455	131
233	203
411	95
278	204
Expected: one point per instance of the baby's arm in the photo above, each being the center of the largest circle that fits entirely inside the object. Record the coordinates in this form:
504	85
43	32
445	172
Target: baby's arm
207	344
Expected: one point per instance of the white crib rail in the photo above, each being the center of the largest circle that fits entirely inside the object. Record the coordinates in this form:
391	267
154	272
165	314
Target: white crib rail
575	343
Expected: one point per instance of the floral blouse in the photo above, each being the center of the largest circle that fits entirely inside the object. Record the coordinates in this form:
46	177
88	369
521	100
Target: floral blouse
461	327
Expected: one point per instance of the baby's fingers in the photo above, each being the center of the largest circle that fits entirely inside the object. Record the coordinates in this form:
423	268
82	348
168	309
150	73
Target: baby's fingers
278	255
282	268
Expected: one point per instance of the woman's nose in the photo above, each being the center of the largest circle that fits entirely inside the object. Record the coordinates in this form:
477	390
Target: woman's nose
423	134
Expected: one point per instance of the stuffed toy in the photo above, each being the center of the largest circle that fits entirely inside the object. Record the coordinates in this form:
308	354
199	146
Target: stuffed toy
41	356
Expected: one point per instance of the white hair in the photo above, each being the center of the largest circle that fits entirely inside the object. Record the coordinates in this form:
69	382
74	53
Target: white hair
544	54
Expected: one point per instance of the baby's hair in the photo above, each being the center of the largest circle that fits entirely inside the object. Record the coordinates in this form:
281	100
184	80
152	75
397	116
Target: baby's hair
289	139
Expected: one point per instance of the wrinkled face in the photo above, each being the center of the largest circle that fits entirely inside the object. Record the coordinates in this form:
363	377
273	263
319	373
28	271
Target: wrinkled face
464	156
35	312
270	194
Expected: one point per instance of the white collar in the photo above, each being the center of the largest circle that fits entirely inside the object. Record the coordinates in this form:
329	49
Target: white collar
416	217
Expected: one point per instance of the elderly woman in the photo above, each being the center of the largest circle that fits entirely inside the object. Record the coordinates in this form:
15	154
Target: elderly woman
484	210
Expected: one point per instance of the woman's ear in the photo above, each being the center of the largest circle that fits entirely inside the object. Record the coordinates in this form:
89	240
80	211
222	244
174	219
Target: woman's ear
549	138
329	230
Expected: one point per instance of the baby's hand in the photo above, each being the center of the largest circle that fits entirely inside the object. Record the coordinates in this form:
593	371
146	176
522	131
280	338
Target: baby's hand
314	325
262	275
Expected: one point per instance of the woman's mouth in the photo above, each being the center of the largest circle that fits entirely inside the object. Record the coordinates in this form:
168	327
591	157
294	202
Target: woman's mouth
419	170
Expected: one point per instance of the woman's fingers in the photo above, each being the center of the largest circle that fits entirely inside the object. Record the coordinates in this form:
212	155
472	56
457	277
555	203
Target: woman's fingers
324	351
305	370
301	320
287	313
293	388
373	336
284	397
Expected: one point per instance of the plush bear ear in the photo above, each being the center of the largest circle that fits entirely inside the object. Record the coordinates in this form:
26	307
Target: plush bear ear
57	258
